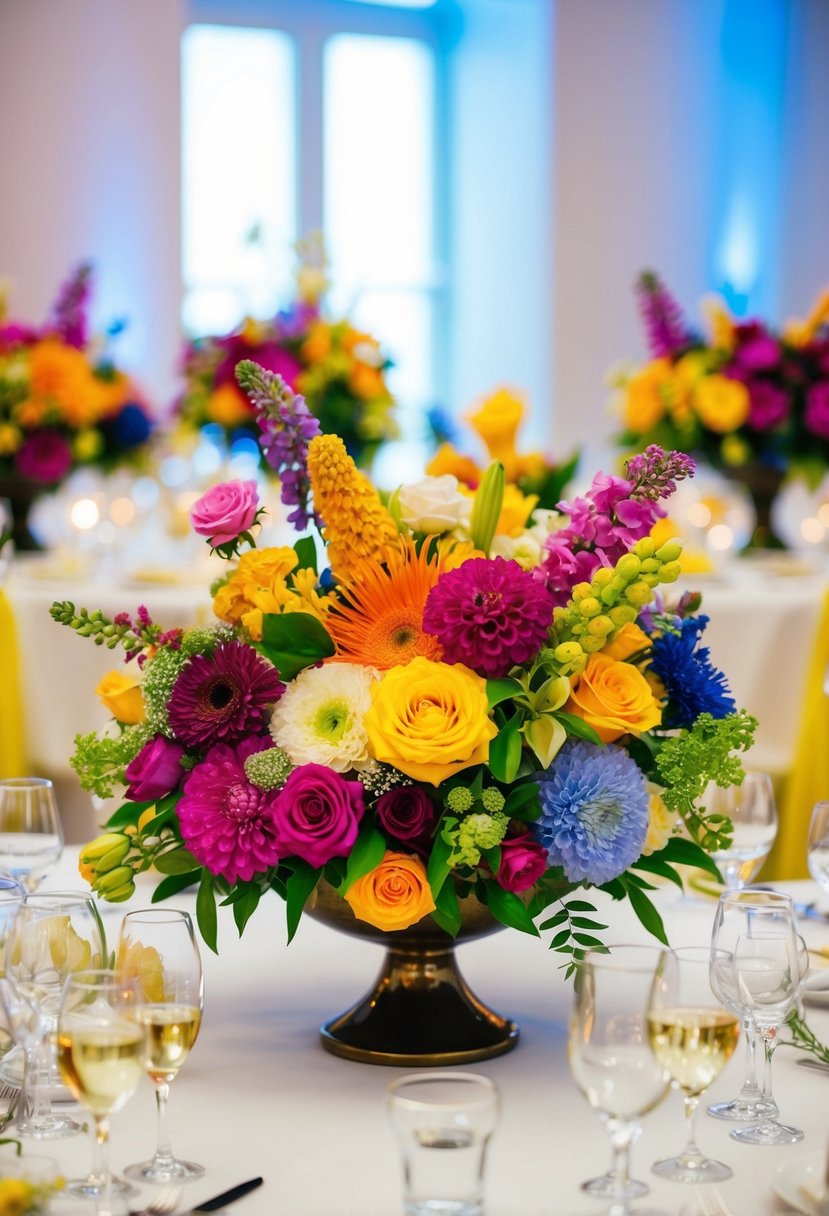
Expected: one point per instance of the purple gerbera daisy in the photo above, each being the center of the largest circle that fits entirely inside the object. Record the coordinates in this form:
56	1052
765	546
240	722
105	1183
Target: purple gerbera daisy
227	823
224	696
489	614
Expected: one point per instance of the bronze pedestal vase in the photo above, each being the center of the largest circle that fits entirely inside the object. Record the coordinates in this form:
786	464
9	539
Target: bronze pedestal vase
763	483
420	1011
21	494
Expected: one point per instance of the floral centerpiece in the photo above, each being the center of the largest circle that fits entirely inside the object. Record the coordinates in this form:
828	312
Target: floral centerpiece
399	714
752	401
339	369
64	403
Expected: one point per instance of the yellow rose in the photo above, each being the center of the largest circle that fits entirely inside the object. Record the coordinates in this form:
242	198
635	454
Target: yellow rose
644	403
614	698
430	720
497	422
661	823
629	640
228	406
721	404
121	694
394	895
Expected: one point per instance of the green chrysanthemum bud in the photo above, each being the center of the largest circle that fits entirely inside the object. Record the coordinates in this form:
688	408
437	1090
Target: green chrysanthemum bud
268	770
459	800
492	800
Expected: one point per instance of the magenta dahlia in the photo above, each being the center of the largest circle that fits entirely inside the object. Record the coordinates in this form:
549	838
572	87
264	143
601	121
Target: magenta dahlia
488	614
227	823
224	696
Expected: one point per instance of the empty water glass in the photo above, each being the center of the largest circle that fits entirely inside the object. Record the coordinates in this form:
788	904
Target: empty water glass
443	1122
818	847
31	836
753	814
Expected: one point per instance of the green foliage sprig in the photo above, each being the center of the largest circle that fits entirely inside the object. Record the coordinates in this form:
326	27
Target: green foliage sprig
100	762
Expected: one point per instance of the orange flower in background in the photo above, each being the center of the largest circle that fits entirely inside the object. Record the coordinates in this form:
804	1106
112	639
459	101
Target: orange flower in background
644	404
614	698
228	406
366	381
121	694
61	375
447	459
394	895
317	346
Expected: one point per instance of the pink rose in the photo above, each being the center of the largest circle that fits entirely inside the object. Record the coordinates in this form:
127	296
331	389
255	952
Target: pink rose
156	770
523	861
226	511
317	814
406	812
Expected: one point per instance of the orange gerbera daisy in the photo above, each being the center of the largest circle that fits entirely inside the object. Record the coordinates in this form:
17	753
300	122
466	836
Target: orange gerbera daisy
379	622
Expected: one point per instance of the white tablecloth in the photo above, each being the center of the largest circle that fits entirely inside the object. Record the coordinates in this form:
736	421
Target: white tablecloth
260	1096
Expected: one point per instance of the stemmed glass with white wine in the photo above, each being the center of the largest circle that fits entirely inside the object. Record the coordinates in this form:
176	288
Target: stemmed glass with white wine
610	1053
693	1036
31	836
157	946
100	1055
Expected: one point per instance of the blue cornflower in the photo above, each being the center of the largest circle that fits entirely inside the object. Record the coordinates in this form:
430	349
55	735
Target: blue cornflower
692	683
594	812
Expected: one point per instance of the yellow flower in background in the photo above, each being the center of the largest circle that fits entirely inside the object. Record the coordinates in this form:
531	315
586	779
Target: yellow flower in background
799	333
447	459
644	403
721	404
515	511
735	451
721	324
16	1196
530	465
317	346
254	332
10	438
394	895
497	421
121	694
87	444
430	720
661	823
227	406
366	381
356	525
614	698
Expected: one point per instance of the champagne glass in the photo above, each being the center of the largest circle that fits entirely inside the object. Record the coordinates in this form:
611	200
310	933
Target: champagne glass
758	966
693	1037
158	947
100	1054
817	852
53	936
31	836
753	813
610	1055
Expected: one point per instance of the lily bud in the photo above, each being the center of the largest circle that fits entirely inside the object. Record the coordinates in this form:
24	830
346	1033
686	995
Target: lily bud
486	509
106	852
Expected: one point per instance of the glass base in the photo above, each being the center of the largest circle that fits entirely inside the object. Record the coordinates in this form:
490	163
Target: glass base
94	1187
741	1111
173	1171
692	1169
48	1127
443	1207
767	1133
602	1187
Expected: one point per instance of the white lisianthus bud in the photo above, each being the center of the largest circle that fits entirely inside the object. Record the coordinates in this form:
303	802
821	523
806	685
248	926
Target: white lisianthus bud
434	505
523	549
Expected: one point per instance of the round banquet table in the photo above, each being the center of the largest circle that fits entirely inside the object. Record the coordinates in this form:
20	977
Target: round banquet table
259	1096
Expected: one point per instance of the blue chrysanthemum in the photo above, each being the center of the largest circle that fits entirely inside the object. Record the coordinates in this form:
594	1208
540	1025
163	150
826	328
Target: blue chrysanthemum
692	683
594	812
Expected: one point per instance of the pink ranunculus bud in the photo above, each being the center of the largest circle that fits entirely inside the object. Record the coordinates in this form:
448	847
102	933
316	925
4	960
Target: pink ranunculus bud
225	511
523	861
156	770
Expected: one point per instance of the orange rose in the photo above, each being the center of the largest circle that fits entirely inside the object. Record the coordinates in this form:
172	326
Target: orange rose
614	698
394	895
628	640
122	696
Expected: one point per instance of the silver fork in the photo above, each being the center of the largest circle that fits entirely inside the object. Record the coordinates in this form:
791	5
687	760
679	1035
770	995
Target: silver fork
164	1204
10	1094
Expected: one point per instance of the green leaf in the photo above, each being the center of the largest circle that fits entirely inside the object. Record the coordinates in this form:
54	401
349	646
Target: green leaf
522	798
299	886
584	922
578	727
501	690
245	907
128	812
505	751
174	884
682	852
293	641
447	912
560	938
177	861
647	913
366	854
506	907
654	865
306	552
554	921
579	905
206	911
438	868
492	857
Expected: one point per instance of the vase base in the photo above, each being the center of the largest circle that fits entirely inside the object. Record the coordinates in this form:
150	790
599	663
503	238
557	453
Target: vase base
421	1014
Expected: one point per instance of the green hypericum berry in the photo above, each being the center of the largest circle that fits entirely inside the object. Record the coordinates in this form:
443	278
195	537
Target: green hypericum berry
492	800
459	800
268	770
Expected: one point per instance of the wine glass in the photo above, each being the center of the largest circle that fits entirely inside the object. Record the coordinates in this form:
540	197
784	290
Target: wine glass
610	1055
100	1054
693	1037
31	836
758	966
158	947
817	852
53	936
753	813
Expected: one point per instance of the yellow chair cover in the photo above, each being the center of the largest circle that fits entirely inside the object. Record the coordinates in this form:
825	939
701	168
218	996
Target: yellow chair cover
12	749
808	780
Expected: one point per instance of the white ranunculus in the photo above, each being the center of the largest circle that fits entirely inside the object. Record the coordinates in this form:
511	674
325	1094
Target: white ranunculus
433	505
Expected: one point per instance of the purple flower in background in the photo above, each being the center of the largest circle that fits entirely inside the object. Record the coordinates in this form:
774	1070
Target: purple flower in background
756	349
15	334
662	317
287	427
769	404
269	355
69	319
817	409
44	457
294	322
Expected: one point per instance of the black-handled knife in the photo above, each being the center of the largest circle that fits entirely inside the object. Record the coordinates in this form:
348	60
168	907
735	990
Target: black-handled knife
226	1197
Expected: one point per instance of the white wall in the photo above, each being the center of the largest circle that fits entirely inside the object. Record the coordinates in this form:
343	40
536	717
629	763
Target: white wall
89	127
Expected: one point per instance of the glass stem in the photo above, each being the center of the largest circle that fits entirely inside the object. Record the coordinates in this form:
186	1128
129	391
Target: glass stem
622	1136
691	1151
751	1090
769	1034
100	1164
163	1158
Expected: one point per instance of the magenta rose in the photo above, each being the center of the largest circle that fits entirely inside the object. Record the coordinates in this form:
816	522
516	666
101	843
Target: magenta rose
406	812
523	861
817	409
317	814
226	511
768	405
156	770
44	457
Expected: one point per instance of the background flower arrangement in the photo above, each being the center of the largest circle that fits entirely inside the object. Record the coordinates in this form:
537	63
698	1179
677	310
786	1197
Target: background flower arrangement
63	400
744	393
423	719
338	369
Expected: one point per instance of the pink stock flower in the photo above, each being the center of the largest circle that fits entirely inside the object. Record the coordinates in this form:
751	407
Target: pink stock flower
225	511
